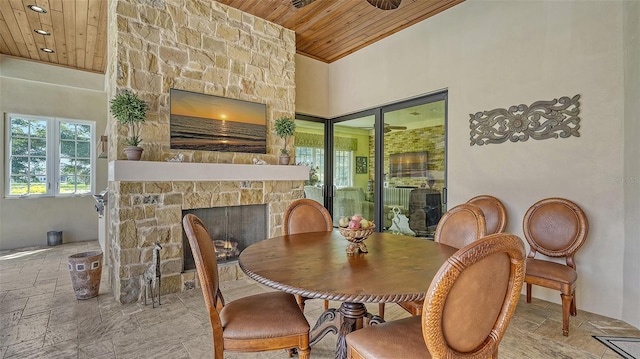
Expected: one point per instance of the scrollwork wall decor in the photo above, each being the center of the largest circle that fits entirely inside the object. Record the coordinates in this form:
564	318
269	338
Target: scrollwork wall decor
539	121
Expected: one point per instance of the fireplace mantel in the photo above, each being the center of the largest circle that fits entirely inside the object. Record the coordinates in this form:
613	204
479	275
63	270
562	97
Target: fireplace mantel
143	171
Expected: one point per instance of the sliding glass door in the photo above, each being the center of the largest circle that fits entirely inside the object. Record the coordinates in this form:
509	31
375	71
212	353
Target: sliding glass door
310	151
414	165
353	153
387	164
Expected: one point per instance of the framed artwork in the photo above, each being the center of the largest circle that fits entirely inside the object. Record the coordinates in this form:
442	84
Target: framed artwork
361	165
204	122
408	164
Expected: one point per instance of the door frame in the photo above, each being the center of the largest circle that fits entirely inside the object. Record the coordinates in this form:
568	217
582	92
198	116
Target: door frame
378	113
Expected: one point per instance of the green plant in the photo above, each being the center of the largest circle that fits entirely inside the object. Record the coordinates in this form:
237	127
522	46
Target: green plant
285	127
130	111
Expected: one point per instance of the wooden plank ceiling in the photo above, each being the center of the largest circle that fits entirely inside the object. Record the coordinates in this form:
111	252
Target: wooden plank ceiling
77	28
326	30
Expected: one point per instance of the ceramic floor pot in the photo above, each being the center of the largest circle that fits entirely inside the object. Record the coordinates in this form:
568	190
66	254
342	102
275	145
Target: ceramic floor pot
86	269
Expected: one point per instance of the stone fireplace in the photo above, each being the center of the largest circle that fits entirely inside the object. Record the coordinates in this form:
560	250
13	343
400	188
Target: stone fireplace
154	46
232	229
149	210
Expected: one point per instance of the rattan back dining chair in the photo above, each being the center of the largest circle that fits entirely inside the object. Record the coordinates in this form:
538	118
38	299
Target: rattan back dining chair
467	308
261	322
461	225
306	215
458	227
555	227
303	216
495	214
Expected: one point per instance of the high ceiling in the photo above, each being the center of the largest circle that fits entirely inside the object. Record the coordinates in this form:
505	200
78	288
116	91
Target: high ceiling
326	30
78	32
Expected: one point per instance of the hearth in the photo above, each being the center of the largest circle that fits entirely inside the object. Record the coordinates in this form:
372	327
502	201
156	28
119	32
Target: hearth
232	229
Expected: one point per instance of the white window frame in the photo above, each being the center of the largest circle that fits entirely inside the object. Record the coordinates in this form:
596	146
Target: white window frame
317	155
349	170
52	156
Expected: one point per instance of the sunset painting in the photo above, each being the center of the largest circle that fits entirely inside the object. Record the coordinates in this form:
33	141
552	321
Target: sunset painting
213	123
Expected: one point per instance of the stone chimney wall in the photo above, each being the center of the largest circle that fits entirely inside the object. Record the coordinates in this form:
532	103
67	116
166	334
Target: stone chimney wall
204	47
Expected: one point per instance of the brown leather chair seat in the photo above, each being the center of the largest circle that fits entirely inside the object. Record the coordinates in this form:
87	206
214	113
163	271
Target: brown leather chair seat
550	271
267	315
388	340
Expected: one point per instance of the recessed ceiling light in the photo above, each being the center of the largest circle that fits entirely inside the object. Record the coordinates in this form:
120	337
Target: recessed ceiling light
47	50
37	8
42	32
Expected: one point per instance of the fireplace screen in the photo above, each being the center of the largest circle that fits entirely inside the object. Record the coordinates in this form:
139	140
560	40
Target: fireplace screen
232	229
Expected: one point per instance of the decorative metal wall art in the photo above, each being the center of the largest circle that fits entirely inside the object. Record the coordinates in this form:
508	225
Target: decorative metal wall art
541	120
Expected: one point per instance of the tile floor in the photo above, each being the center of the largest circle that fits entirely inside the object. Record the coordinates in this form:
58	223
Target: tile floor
41	318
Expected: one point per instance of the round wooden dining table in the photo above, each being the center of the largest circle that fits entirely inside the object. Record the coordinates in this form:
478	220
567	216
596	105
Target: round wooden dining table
396	269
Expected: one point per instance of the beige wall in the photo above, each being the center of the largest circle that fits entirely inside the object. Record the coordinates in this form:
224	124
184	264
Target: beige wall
488	57
38	89
631	269
312	75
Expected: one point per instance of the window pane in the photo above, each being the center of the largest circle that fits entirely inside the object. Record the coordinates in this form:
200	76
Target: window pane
67	187
38	147
84	149
19	185
24	166
342	175
28	156
19	166
19	127
304	155
83	184
83	132
83	167
38	128
313	157
319	161
19	146
67	148
38	166
75	158
67	175
67	167
28	176
67	131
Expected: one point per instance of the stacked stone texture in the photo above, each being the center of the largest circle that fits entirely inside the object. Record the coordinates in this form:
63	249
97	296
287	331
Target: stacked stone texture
204	47
430	139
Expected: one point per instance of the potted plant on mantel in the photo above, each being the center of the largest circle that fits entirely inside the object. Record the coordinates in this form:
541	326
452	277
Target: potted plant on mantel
130	111
285	128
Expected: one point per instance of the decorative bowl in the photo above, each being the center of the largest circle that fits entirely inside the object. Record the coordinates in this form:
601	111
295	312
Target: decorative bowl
356	237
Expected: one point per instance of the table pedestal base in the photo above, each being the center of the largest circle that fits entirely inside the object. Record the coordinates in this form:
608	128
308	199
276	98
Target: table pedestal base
350	317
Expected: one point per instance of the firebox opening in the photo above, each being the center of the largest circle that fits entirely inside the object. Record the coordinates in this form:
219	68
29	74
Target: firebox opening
232	229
